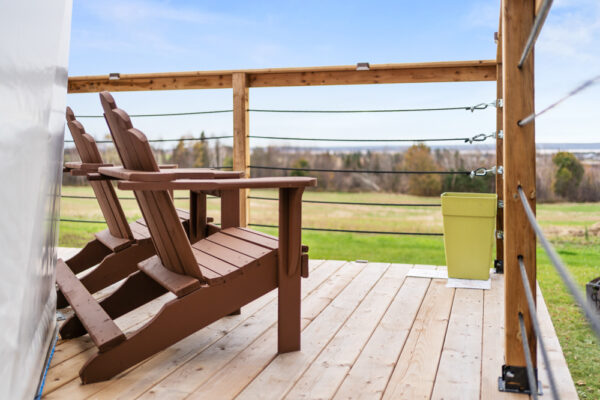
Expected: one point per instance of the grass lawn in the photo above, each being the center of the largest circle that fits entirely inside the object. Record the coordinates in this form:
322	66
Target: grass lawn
565	225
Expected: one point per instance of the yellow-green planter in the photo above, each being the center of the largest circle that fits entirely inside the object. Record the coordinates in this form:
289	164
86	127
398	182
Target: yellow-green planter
469	223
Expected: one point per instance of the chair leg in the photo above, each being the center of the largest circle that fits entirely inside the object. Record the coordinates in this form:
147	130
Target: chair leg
290	217
93	253
61	302
90	255
288	325
236	312
136	291
117	266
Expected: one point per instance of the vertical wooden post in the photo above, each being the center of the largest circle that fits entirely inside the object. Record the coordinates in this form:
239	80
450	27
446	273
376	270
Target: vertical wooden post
197	221
230	207
499	153
519	170
241	142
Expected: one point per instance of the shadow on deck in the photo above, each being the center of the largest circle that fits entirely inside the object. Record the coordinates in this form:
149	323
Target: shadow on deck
369	331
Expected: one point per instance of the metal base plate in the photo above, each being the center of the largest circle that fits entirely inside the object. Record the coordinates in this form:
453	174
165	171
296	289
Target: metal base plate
499	266
502	387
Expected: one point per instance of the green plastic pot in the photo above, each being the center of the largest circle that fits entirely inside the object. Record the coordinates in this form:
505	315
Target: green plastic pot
469	224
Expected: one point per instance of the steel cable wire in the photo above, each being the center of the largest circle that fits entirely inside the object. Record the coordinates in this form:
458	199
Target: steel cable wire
560	267
536	327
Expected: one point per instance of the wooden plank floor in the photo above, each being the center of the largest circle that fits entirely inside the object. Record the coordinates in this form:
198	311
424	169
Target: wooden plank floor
369	331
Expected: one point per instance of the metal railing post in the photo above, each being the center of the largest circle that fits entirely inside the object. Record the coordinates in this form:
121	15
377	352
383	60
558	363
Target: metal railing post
499	261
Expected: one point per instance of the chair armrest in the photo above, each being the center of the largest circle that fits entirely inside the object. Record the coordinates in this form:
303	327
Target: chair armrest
166	176
220	184
81	169
96	176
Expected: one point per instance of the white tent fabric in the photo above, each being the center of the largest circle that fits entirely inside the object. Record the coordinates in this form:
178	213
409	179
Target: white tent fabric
34	48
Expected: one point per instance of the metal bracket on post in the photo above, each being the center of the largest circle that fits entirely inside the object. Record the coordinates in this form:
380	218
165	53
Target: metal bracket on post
499	266
481	171
500	134
514	380
499	103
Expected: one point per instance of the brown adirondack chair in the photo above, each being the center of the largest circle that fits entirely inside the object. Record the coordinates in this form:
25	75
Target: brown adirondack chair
198	225
210	276
118	249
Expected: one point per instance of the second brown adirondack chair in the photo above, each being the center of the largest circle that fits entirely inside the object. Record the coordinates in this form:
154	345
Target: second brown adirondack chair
210	277
118	249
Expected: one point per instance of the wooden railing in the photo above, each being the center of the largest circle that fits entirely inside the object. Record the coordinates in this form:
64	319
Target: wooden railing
242	80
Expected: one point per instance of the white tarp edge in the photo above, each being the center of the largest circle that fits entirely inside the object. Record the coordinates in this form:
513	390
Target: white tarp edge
34	48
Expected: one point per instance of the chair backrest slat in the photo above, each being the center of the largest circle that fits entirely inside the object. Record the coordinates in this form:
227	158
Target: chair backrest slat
118	123
108	104
169	237
105	192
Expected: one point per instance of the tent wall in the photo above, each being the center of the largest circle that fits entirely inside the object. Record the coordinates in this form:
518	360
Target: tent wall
34	47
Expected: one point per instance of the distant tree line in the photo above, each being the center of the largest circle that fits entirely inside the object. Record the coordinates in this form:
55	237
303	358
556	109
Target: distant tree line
416	158
560	176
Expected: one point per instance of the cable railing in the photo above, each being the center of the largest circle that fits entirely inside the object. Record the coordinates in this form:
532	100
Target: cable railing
471	139
480	137
466	139
353	203
304	228
361	171
183	139
589	313
537	330
531	372
564	274
477	172
479	106
540	18
585	85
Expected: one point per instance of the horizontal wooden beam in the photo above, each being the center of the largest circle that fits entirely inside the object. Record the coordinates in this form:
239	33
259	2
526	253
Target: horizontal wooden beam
454	71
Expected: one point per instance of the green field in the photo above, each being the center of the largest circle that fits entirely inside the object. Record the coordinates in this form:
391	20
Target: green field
573	228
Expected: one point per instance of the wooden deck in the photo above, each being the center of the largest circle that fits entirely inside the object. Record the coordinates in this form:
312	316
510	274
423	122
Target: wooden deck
369	331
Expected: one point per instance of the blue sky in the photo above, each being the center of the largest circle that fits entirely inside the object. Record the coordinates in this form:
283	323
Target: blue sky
129	36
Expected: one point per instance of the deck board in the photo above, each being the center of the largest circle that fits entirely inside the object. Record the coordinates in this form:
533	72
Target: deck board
206	363
371	371
415	371
459	372
368	332
493	341
241	371
326	373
